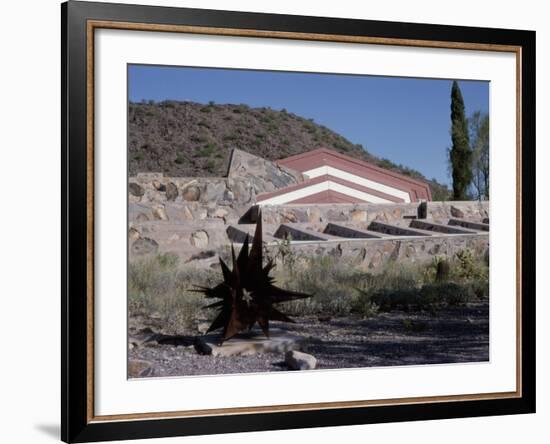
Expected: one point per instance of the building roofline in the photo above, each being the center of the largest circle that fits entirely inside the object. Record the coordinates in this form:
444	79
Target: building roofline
362	163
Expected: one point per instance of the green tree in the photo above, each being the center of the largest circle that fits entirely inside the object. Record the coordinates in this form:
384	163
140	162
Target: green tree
479	136
460	154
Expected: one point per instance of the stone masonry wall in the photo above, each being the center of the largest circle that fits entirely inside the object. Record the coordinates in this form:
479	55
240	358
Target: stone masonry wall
190	216
372	254
362	215
152	196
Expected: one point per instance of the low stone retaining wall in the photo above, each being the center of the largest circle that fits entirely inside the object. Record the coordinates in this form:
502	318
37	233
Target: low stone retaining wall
373	254
247	177
363	214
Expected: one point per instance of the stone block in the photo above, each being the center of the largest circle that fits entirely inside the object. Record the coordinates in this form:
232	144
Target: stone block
296	360
248	344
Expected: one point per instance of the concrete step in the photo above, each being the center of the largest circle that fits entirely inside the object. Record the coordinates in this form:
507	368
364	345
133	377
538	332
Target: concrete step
396	230
430	225
478	226
351	232
298	232
238	233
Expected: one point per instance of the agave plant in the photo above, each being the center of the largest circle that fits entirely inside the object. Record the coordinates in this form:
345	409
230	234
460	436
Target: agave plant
247	293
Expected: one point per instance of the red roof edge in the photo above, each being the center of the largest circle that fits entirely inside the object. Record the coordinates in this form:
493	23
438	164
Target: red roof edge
357	161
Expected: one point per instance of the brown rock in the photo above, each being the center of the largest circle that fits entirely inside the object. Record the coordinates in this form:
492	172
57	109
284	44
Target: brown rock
144	246
199	239
288	216
455	212
314	215
136	189
158	186
139	368
133	234
187	214
191	193
159	213
171	191
296	360
358	216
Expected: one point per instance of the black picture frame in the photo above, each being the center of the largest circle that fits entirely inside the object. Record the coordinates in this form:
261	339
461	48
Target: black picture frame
77	425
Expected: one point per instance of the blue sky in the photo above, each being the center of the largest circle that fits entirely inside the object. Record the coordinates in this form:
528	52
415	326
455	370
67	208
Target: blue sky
406	120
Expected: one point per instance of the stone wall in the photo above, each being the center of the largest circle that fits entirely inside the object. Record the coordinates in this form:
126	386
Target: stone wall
372	254
153	196
363	214
475	211
190	216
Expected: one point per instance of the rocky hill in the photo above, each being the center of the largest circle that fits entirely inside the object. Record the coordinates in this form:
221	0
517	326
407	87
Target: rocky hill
193	139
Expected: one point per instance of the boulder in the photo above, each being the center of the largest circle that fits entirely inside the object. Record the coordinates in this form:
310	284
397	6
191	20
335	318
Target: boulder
191	193
139	368
159	213
455	212
203	327
358	216
171	191
296	360
199	239
288	216
144	245
157	185
136	189
142	217
133	234
247	344
215	191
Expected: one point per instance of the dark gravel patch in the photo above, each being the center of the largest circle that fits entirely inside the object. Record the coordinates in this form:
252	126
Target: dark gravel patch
452	335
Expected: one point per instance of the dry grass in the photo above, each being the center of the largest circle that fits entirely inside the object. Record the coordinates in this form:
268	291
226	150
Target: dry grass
161	287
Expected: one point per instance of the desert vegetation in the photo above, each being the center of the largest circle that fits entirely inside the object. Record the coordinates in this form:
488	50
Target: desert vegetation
162	287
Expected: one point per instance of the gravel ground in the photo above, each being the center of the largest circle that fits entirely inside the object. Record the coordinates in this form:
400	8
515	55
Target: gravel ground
458	334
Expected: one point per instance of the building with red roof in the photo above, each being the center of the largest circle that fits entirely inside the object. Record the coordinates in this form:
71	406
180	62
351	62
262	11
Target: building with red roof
332	177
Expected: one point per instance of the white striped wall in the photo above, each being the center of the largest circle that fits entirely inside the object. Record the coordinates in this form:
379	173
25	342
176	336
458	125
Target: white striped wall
320	187
341	174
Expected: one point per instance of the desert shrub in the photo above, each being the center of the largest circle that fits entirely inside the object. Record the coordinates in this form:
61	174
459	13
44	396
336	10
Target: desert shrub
210	165
340	287
168	260
363	305
330	280
207	150
197	138
428	287
160	286
470	268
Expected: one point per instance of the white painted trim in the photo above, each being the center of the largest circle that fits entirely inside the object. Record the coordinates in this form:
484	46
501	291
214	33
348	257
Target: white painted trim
341	174
371	198
282	199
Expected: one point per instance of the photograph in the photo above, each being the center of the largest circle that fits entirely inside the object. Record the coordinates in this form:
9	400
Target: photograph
286	221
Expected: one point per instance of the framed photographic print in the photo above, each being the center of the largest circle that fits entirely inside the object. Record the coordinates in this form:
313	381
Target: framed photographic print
276	221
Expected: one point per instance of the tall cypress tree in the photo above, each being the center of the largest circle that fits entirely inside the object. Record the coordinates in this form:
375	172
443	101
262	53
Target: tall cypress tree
460	154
